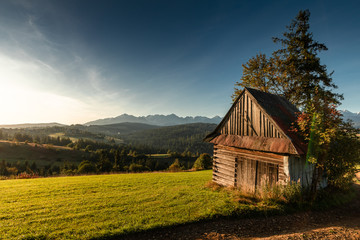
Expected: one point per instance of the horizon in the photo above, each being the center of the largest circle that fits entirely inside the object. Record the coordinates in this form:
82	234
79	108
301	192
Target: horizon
221	117
24	123
73	62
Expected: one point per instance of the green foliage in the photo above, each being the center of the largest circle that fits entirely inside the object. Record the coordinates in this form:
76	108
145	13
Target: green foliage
181	138
204	161
134	167
86	167
176	166
293	71
343	157
263	74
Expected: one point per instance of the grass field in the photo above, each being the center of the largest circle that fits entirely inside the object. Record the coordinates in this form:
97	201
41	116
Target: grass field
159	155
88	207
62	135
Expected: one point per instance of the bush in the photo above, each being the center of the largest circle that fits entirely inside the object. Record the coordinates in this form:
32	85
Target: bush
344	155
86	167
134	167
176	166
204	161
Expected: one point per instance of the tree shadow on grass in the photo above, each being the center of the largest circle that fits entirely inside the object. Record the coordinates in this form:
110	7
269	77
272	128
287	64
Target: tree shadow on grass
346	216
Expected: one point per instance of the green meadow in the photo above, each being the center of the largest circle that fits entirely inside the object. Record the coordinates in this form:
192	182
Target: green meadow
100	206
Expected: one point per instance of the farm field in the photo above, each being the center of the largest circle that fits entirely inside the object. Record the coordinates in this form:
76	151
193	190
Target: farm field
85	207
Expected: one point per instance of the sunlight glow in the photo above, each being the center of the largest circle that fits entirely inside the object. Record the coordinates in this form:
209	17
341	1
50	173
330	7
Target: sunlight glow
24	100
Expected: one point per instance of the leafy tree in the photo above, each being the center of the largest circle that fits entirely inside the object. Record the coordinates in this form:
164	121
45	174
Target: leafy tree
3	169
204	161
176	166
295	72
86	167
344	155
34	167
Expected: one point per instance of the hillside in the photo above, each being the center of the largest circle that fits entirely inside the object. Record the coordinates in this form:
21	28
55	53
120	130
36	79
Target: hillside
42	155
32	125
55	208
117	129
160	120
180	138
153	139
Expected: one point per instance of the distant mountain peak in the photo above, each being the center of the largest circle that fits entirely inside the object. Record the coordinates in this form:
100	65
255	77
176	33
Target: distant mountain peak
156	119
354	117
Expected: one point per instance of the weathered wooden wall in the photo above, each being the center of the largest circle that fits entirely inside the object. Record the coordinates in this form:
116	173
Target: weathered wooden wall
299	171
246	169
247	119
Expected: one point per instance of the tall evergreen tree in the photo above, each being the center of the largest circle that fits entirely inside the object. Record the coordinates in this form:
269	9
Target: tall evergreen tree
293	71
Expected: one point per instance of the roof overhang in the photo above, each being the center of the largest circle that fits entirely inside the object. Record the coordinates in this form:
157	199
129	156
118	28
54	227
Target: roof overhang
274	145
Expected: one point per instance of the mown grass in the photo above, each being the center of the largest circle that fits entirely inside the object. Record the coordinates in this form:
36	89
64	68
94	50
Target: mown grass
86	207
108	206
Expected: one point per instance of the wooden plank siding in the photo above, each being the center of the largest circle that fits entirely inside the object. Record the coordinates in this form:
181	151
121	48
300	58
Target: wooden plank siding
248	170
247	119
254	144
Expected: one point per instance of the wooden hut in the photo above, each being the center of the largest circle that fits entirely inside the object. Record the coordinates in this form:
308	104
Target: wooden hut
254	144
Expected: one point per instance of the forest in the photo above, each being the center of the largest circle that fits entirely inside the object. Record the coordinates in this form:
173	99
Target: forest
51	151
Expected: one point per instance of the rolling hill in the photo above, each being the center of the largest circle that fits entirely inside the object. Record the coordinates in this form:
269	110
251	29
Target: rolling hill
32	125
117	129
179	138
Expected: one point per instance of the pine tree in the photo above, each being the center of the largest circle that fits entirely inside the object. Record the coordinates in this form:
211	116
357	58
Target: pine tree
293	71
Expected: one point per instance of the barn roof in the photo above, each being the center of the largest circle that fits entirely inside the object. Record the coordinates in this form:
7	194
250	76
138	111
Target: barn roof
282	113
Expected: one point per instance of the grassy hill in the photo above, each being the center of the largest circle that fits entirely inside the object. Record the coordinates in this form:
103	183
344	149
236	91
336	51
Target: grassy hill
179	138
42	155
91	207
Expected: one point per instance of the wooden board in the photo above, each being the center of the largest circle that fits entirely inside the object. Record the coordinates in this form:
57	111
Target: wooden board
247	118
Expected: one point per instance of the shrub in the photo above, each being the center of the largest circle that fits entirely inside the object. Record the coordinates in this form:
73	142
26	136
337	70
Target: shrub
176	166
134	167
86	167
204	161
343	157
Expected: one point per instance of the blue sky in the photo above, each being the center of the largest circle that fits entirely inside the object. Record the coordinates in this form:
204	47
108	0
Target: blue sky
72	61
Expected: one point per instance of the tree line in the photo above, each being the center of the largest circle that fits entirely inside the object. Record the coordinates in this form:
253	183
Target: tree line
98	157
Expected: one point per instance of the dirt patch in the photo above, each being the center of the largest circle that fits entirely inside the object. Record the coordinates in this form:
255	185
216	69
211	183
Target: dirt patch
339	223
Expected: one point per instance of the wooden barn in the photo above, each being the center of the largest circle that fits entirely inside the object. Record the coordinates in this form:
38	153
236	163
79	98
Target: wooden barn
254	145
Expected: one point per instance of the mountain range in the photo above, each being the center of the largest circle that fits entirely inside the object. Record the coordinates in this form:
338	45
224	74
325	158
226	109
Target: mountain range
159	120
355	117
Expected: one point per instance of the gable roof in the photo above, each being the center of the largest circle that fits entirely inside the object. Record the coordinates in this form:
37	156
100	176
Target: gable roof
279	111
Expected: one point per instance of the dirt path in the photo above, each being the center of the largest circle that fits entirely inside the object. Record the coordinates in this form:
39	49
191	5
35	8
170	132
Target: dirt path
340	223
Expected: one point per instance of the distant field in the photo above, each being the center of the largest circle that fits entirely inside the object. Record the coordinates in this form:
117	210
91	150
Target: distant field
87	207
42	155
75	139
62	135
159	155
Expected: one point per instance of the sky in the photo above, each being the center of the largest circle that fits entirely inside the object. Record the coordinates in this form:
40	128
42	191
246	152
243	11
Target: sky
73	61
